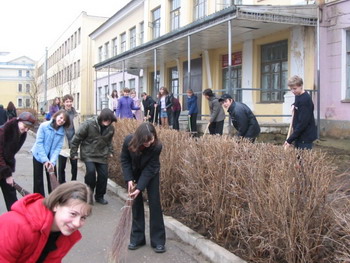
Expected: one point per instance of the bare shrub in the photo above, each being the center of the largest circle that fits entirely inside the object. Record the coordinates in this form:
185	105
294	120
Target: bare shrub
259	201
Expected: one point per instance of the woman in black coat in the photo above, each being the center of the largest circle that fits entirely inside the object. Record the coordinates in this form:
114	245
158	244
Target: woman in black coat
141	166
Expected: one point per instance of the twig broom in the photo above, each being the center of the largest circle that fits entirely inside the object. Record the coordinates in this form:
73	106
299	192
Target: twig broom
121	235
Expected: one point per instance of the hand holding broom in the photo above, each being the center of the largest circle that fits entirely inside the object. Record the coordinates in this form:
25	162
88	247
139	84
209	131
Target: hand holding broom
286	144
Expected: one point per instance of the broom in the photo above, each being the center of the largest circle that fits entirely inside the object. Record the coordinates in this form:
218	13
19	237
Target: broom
290	128
20	189
53	179
121	235
206	130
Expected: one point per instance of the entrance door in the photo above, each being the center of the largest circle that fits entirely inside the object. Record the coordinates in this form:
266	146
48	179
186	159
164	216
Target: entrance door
195	84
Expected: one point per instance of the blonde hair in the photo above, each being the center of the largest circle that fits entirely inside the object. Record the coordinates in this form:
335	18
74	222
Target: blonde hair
295	81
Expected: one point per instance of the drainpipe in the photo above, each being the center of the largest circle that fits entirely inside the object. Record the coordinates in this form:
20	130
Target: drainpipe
155	72
188	62
229	90
318	74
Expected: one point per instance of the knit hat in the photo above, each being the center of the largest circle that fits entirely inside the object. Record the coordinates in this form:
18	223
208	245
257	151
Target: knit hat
27	118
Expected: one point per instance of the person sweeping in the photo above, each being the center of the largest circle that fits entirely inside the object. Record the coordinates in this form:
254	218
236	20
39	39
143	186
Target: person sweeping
141	169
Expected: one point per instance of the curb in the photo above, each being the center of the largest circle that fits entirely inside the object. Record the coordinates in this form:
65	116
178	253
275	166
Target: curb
212	251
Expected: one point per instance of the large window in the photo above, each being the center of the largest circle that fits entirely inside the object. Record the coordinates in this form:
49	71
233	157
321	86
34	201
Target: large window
199	7
115	46
141	32
132	37
27	88
131	83
347	92
100	54
20	89
156	23
106	50
274	71
236	81
175	14
20	103
174	81
123	42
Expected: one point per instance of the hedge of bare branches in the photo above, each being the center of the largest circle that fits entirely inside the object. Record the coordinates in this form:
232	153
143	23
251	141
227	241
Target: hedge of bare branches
259	201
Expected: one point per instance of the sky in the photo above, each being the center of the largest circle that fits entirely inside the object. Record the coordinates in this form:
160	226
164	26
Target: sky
27	27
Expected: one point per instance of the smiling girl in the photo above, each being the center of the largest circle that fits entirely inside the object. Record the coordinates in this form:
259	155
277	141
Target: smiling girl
44	230
48	144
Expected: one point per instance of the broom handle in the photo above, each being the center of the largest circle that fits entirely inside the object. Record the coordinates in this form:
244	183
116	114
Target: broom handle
154	115
53	179
20	189
290	125
206	129
147	115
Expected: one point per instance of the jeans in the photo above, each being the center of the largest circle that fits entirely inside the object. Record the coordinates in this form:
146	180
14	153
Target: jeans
102	176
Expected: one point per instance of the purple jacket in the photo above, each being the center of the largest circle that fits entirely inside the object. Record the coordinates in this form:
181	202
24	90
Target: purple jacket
125	105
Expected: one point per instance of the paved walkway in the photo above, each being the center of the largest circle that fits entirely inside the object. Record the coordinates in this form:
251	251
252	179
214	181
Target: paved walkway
99	228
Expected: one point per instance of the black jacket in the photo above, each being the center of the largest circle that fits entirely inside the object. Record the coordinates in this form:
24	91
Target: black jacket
140	167
148	106
244	120
304	127
11	141
3	116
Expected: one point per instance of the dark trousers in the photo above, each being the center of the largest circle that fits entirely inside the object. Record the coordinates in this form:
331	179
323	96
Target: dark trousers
38	183
193	123
216	127
62	161
157	229
102	176
176	115
9	193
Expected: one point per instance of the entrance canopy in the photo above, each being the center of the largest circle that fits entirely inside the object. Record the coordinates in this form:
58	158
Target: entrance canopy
211	32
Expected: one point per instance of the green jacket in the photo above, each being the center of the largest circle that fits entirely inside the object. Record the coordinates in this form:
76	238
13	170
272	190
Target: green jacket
94	146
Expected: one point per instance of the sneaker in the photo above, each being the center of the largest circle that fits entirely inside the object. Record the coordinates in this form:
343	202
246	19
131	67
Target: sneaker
159	249
101	201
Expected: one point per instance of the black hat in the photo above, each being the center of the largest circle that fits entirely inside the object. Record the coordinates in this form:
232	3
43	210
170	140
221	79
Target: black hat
225	97
27	118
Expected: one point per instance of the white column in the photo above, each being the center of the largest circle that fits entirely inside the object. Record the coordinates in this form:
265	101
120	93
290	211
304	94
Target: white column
247	73
207	68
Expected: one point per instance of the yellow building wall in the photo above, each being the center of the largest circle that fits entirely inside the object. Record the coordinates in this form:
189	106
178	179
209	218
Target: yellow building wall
9	92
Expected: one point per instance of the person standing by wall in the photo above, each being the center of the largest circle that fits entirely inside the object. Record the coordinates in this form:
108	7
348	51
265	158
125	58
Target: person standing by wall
141	167
47	146
3	115
217	114
69	133
113	101
137	113
44	229
55	106
164	105
176	111
148	107
303	122
95	140
126	105
11	111
192	106
243	119
12	136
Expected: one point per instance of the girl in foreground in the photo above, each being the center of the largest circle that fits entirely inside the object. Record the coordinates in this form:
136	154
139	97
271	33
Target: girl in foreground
42	229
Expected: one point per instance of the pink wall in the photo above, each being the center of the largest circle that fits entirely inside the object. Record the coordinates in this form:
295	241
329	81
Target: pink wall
336	18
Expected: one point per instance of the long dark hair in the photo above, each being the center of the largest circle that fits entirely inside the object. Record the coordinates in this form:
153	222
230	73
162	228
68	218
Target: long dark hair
165	92
11	106
116	94
144	133
66	118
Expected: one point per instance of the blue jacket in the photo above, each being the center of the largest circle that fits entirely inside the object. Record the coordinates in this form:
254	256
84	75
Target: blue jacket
125	105
192	104
48	143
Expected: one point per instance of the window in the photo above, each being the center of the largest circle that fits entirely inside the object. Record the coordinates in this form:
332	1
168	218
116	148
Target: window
123	42
132	37
174	80
175	14
107	50
141	32
79	36
236	81
121	85
78	68
100	54
347	91
27	88
114	86
19	73
156	23
274	71
20	103
20	87
199	9
115	46
27	103
27	73
131	83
